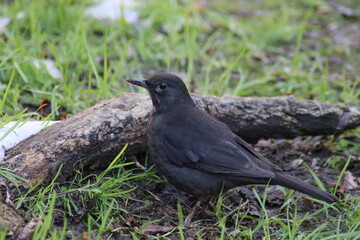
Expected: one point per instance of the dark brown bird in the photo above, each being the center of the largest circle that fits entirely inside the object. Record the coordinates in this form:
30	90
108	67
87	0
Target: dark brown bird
200	155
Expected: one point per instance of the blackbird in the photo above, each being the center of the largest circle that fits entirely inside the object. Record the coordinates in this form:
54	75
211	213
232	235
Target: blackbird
200	155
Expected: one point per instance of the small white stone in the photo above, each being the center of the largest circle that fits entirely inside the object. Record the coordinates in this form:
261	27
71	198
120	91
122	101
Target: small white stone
4	21
20	131
50	67
113	9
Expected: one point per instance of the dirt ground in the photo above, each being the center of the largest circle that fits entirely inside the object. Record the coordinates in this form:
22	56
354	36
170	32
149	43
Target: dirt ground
156	202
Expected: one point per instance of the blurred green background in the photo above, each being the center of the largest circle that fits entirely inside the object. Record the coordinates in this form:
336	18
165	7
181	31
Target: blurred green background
263	48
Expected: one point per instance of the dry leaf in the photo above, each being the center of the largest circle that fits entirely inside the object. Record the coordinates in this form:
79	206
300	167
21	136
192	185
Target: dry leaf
295	163
85	236
155	228
275	196
348	182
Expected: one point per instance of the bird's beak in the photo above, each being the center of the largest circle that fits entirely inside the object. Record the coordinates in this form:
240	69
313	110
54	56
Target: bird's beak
139	82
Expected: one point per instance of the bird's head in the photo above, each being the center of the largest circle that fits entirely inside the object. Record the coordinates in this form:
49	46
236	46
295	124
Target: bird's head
167	91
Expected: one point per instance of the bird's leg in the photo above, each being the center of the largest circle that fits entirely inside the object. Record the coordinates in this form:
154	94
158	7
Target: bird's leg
194	209
204	207
200	207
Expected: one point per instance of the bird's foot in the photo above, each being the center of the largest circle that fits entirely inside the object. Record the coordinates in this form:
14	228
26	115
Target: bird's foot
200	207
194	210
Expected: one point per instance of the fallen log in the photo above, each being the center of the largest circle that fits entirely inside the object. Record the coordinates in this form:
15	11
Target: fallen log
97	134
10	220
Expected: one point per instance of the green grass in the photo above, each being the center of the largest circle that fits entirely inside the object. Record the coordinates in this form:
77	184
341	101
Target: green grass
242	48
94	198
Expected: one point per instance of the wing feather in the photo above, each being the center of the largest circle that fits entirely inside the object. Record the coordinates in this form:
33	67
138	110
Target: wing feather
222	157
212	147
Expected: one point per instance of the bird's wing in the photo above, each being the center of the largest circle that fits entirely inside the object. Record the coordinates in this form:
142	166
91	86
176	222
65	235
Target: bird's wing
247	146
221	155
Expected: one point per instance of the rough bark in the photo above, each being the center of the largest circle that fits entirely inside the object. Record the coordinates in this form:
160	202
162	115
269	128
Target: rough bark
10	220
97	134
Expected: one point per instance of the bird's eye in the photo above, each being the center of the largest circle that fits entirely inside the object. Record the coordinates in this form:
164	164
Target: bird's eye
162	86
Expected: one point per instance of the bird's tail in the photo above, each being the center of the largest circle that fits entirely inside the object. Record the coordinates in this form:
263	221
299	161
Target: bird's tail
297	184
